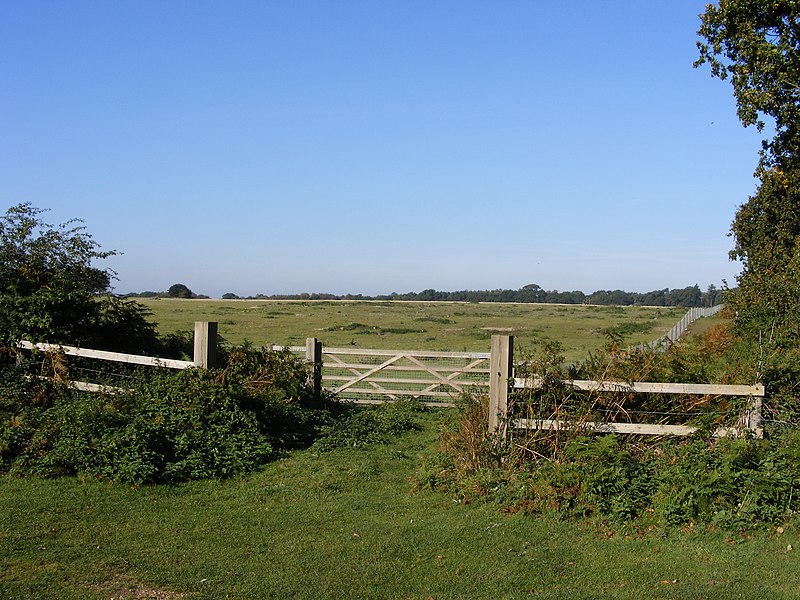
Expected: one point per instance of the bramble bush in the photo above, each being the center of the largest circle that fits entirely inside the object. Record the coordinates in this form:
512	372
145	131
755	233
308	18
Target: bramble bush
170	426
177	426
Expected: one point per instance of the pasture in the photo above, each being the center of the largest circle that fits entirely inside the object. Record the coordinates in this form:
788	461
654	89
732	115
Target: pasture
446	326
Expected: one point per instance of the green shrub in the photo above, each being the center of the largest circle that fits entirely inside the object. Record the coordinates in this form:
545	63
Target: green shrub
360	427
171	426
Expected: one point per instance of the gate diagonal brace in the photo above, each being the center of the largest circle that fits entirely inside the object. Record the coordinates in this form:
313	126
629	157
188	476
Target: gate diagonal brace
363	376
452	376
444	381
356	372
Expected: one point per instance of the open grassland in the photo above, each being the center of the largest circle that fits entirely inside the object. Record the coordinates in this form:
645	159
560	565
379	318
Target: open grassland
448	326
349	524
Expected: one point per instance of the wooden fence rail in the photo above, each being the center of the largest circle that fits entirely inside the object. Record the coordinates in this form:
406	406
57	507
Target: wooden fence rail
205	348
131	359
500	419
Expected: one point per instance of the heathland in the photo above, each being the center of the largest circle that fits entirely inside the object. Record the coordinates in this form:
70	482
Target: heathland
448	326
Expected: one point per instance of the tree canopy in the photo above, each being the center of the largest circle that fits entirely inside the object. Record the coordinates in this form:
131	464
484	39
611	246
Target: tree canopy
51	291
756	44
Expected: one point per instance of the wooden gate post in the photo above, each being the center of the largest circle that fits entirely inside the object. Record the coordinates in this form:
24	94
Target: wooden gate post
501	370
314	359
755	405
205	344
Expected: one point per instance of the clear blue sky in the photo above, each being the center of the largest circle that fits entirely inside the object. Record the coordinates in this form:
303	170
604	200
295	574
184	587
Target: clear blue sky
370	147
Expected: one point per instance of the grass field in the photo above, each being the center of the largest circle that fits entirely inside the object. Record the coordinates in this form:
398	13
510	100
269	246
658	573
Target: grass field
349	524
449	326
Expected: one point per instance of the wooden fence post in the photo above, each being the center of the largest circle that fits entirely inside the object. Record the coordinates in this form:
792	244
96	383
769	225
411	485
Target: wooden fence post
501	369
314	359
205	344
755	405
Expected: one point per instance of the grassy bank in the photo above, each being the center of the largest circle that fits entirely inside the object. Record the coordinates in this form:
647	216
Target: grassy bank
349	524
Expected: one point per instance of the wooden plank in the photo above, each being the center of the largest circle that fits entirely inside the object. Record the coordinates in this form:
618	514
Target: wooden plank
343	365
413	393
84	386
702	389
638	428
384	380
415	353
630	428
109	356
431	404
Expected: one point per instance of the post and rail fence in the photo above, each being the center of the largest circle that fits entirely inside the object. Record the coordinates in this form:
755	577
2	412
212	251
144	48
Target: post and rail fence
503	383
205	355
439	378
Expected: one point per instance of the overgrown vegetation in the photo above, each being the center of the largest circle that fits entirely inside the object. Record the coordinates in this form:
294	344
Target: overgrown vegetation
630	482
360	427
165	427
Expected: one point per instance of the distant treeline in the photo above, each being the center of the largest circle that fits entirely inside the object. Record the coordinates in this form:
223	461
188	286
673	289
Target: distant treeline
688	297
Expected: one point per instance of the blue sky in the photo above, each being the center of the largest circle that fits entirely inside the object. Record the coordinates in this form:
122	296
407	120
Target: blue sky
371	147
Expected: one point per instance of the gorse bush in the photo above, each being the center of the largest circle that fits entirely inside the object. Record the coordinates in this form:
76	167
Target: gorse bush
169	426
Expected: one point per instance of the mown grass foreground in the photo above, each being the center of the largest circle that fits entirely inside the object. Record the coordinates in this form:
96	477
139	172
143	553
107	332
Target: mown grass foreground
448	326
349	524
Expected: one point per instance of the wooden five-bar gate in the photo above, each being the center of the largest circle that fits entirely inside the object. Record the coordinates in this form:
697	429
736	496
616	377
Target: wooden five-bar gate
373	376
